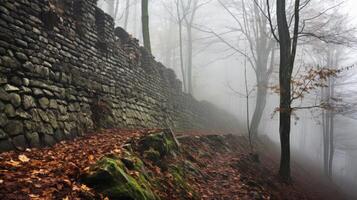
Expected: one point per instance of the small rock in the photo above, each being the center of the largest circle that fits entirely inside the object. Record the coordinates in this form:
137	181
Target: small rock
20	142
29	66
37	91
34	139
22	114
16	80
9	62
14	128
44	102
3	135
21	56
3	80
6	145
53	104
9	110
15	100
4	96
49	140
28	102
3	119
26	81
2	106
11	88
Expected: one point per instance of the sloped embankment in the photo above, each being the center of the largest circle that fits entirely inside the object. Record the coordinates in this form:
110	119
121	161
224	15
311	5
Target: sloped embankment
143	165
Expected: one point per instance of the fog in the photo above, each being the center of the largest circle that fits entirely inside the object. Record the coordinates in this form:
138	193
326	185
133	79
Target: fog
218	71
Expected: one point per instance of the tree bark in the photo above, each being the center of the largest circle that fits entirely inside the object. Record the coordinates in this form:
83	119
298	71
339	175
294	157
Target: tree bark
145	24
287	58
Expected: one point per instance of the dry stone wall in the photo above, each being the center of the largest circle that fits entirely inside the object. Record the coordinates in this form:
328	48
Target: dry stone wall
65	70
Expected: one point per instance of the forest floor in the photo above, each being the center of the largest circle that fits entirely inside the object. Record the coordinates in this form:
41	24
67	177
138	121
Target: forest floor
224	169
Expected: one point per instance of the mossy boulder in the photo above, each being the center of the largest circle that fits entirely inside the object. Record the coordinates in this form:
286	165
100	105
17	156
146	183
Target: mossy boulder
110	177
158	145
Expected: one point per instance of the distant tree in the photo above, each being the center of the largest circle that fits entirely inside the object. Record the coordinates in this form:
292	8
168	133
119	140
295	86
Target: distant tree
253	27
126	15
145	24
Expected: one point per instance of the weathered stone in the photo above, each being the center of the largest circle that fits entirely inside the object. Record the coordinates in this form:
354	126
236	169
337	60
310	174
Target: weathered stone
9	62
15	80
28	102
22	114
37	91
15	100
11	88
3	80
21	56
33	139
52	120
10	110
35	115
49	140
14	128
53	104
4	96
29	66
59	135
6	145
119	184
20	142
2	106
3	119
43	115
46	128
44	102
3	135
26	81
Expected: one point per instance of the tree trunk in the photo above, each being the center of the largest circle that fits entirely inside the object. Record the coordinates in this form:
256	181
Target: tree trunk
145	24
285	71
331	133
259	108
112	5
189	60
126	17
184	83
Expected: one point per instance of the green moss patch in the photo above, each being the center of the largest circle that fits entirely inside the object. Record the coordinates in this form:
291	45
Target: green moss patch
110	177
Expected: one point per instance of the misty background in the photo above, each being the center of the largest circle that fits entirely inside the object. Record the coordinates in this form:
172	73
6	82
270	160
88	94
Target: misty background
218	71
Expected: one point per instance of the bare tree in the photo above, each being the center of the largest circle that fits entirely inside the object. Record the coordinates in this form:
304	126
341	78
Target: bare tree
254	27
145	24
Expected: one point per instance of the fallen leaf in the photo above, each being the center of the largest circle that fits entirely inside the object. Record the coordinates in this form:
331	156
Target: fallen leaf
23	158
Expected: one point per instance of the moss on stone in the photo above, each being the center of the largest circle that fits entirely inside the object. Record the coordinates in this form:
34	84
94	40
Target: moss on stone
109	176
160	142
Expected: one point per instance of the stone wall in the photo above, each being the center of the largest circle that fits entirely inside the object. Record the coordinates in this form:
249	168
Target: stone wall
65	70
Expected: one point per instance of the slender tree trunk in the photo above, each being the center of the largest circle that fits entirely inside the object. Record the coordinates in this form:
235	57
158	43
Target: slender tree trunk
116	11
127	11
259	108
145	24
168	46
181	58
325	143
263	72
285	71
189	60
331	132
